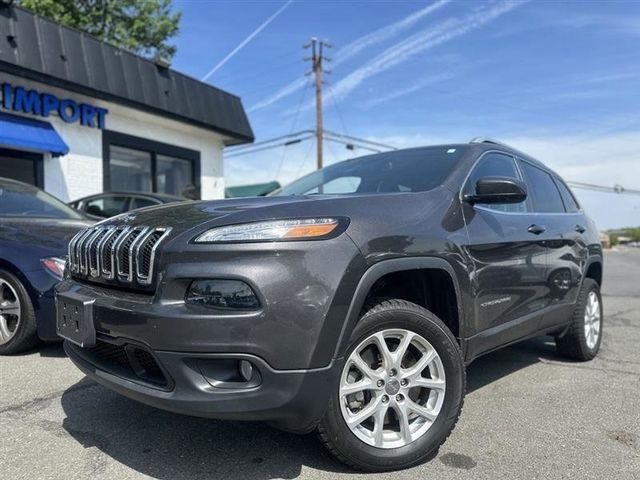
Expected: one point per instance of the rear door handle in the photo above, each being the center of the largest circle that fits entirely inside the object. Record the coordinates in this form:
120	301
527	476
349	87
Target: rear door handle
536	229
580	229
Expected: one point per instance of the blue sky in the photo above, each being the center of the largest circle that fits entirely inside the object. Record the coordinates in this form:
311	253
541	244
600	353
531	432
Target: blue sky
557	79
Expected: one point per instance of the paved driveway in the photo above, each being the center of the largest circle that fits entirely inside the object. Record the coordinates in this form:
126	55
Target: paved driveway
528	414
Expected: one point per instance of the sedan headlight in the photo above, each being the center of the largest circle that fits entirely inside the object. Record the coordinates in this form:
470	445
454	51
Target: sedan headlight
55	266
274	230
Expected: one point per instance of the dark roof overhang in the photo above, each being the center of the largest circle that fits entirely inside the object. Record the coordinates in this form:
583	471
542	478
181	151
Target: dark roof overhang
41	50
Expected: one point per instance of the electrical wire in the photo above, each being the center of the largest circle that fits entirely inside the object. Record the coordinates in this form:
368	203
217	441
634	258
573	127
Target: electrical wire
337	108
304	160
269	147
293	126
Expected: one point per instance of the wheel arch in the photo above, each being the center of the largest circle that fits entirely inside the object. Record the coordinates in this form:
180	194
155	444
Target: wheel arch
11	268
594	269
386	267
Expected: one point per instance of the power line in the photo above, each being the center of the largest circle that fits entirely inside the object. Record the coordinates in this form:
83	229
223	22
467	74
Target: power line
350	141
251	146
304	160
351	146
340	117
293	125
618	189
360	140
269	147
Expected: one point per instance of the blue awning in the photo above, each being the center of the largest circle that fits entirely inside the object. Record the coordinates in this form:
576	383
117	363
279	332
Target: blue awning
20	132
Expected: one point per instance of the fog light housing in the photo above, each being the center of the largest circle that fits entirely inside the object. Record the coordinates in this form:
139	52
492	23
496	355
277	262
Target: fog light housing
222	295
246	370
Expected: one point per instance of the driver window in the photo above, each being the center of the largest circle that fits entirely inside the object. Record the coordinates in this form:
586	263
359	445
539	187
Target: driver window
105	207
496	165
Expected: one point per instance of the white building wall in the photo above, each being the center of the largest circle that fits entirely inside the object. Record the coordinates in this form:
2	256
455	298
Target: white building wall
80	172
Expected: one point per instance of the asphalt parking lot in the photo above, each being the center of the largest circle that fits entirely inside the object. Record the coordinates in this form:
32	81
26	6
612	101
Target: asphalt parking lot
528	414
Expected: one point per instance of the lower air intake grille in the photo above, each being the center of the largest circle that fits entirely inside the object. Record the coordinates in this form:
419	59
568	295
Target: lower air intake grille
129	361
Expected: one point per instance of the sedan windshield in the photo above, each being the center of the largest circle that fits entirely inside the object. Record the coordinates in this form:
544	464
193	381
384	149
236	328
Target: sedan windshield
20	200
410	170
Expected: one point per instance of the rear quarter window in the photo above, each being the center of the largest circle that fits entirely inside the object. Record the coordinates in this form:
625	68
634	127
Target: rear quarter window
570	203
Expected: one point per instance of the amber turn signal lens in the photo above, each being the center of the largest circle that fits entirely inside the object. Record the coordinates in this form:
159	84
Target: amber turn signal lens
302	231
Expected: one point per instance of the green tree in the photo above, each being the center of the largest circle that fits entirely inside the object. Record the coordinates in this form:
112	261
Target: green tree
140	26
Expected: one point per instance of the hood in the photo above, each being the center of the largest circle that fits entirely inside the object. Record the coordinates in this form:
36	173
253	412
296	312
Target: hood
193	217
185	215
29	239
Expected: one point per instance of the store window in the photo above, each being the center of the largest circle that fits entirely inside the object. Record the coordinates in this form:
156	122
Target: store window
135	164
130	170
173	175
22	166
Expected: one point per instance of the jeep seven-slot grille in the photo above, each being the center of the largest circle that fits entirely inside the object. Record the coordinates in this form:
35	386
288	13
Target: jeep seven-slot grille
121	253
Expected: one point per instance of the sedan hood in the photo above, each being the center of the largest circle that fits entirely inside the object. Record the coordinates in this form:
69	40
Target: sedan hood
27	240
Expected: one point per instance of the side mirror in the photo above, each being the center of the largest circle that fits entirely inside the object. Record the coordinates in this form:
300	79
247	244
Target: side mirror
498	190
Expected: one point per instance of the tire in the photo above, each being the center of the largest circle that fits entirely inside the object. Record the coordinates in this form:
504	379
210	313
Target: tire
17	327
394	449
576	343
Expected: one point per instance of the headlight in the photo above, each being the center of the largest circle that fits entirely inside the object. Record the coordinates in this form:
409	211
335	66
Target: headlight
55	266
299	229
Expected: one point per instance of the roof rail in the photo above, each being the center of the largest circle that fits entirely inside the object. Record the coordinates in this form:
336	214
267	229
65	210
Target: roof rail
489	140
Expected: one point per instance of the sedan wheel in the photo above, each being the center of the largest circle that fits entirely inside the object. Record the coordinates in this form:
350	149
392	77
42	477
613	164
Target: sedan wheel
9	311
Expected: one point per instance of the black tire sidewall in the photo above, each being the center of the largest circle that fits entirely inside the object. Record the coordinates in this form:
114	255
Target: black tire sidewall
26	335
436	333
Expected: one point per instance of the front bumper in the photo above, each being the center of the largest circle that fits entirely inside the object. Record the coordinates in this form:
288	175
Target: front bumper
291	399
291	339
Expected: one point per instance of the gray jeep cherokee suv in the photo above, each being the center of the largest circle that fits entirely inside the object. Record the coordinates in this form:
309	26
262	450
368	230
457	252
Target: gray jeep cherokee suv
349	302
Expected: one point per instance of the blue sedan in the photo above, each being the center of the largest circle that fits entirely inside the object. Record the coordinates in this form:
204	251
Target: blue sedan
35	229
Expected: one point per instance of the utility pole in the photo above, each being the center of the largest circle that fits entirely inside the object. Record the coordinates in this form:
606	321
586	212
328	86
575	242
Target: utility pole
317	59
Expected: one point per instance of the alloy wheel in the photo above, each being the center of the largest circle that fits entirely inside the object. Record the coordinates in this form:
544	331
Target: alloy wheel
9	311
592	320
392	388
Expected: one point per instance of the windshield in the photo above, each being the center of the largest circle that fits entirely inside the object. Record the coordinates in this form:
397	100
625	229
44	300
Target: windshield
411	170
20	200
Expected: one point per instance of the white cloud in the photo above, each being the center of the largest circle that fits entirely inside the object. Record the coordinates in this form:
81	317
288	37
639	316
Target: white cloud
387	32
426	39
424	82
358	45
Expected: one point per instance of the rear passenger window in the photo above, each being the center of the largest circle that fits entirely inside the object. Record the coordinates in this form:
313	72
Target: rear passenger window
542	190
139	202
495	165
105	207
569	200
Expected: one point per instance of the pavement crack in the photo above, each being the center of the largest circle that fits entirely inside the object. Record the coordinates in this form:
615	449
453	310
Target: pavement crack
598	369
44	399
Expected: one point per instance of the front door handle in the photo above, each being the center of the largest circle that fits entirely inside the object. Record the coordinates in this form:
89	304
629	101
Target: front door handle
580	229
536	229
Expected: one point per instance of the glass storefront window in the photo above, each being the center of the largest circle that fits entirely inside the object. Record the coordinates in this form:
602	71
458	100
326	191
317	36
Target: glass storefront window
135	164
173	175
130	170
